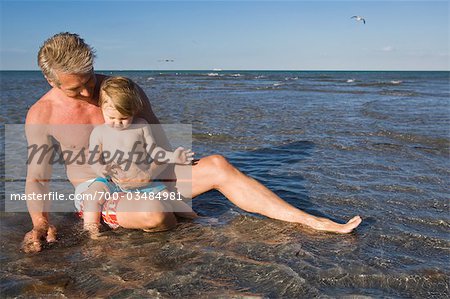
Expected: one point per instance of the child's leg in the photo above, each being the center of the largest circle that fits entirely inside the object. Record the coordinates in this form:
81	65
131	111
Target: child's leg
92	207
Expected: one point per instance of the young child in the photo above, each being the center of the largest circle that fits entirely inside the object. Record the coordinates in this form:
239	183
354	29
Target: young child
124	140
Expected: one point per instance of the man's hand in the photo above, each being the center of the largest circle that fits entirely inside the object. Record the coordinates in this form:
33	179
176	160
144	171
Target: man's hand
32	242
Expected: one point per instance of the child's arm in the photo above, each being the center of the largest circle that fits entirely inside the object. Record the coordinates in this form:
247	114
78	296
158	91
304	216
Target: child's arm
160	155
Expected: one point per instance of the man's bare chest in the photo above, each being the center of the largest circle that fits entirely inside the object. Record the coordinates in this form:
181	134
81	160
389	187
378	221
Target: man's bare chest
72	127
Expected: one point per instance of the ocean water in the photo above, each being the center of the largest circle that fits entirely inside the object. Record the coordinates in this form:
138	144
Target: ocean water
335	144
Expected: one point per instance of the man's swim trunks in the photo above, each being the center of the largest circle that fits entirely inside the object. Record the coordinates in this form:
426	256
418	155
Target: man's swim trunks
109	209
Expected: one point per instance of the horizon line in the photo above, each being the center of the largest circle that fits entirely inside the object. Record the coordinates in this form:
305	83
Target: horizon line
242	70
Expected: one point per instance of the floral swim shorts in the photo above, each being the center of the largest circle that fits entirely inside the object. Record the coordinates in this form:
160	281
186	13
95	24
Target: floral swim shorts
109	209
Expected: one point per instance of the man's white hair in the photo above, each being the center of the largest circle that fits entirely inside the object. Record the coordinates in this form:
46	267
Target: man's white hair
65	52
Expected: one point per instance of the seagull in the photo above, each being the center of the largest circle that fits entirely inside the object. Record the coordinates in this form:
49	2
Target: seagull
359	18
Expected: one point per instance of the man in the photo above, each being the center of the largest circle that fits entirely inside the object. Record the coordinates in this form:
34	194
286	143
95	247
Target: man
67	63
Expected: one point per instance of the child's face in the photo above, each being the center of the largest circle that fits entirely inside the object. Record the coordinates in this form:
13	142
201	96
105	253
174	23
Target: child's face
115	119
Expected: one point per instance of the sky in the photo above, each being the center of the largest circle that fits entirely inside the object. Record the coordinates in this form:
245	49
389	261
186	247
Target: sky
234	35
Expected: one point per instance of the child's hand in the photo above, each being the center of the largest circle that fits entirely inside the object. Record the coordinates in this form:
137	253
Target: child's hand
105	172
109	169
182	156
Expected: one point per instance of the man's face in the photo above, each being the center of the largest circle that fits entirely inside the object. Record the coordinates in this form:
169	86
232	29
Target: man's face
77	86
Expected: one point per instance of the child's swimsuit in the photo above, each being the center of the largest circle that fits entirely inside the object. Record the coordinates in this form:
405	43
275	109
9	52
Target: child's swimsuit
109	209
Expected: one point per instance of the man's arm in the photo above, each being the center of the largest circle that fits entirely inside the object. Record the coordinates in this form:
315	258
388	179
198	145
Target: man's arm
157	131
39	170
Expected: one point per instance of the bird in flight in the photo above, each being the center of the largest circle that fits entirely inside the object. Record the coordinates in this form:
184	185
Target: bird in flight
359	18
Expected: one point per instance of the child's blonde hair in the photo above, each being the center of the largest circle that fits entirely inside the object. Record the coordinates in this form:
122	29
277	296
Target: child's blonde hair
122	94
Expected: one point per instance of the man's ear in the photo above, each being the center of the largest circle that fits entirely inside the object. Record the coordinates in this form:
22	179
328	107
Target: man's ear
51	82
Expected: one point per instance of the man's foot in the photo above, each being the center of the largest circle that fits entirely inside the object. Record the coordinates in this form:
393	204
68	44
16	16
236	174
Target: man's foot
350	225
32	242
324	224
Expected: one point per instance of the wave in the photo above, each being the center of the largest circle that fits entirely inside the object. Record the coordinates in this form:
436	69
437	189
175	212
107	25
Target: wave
380	84
333	91
399	93
212	136
329	80
432	144
234	85
432	283
395	188
396	82
319	77
275	86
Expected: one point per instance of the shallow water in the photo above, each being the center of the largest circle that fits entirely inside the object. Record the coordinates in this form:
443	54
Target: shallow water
335	144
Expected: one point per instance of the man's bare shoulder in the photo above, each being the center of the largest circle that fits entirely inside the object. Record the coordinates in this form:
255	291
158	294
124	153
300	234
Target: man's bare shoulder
41	111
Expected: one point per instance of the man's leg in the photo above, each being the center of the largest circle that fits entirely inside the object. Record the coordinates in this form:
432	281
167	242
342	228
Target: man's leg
214	172
152	215
149	215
